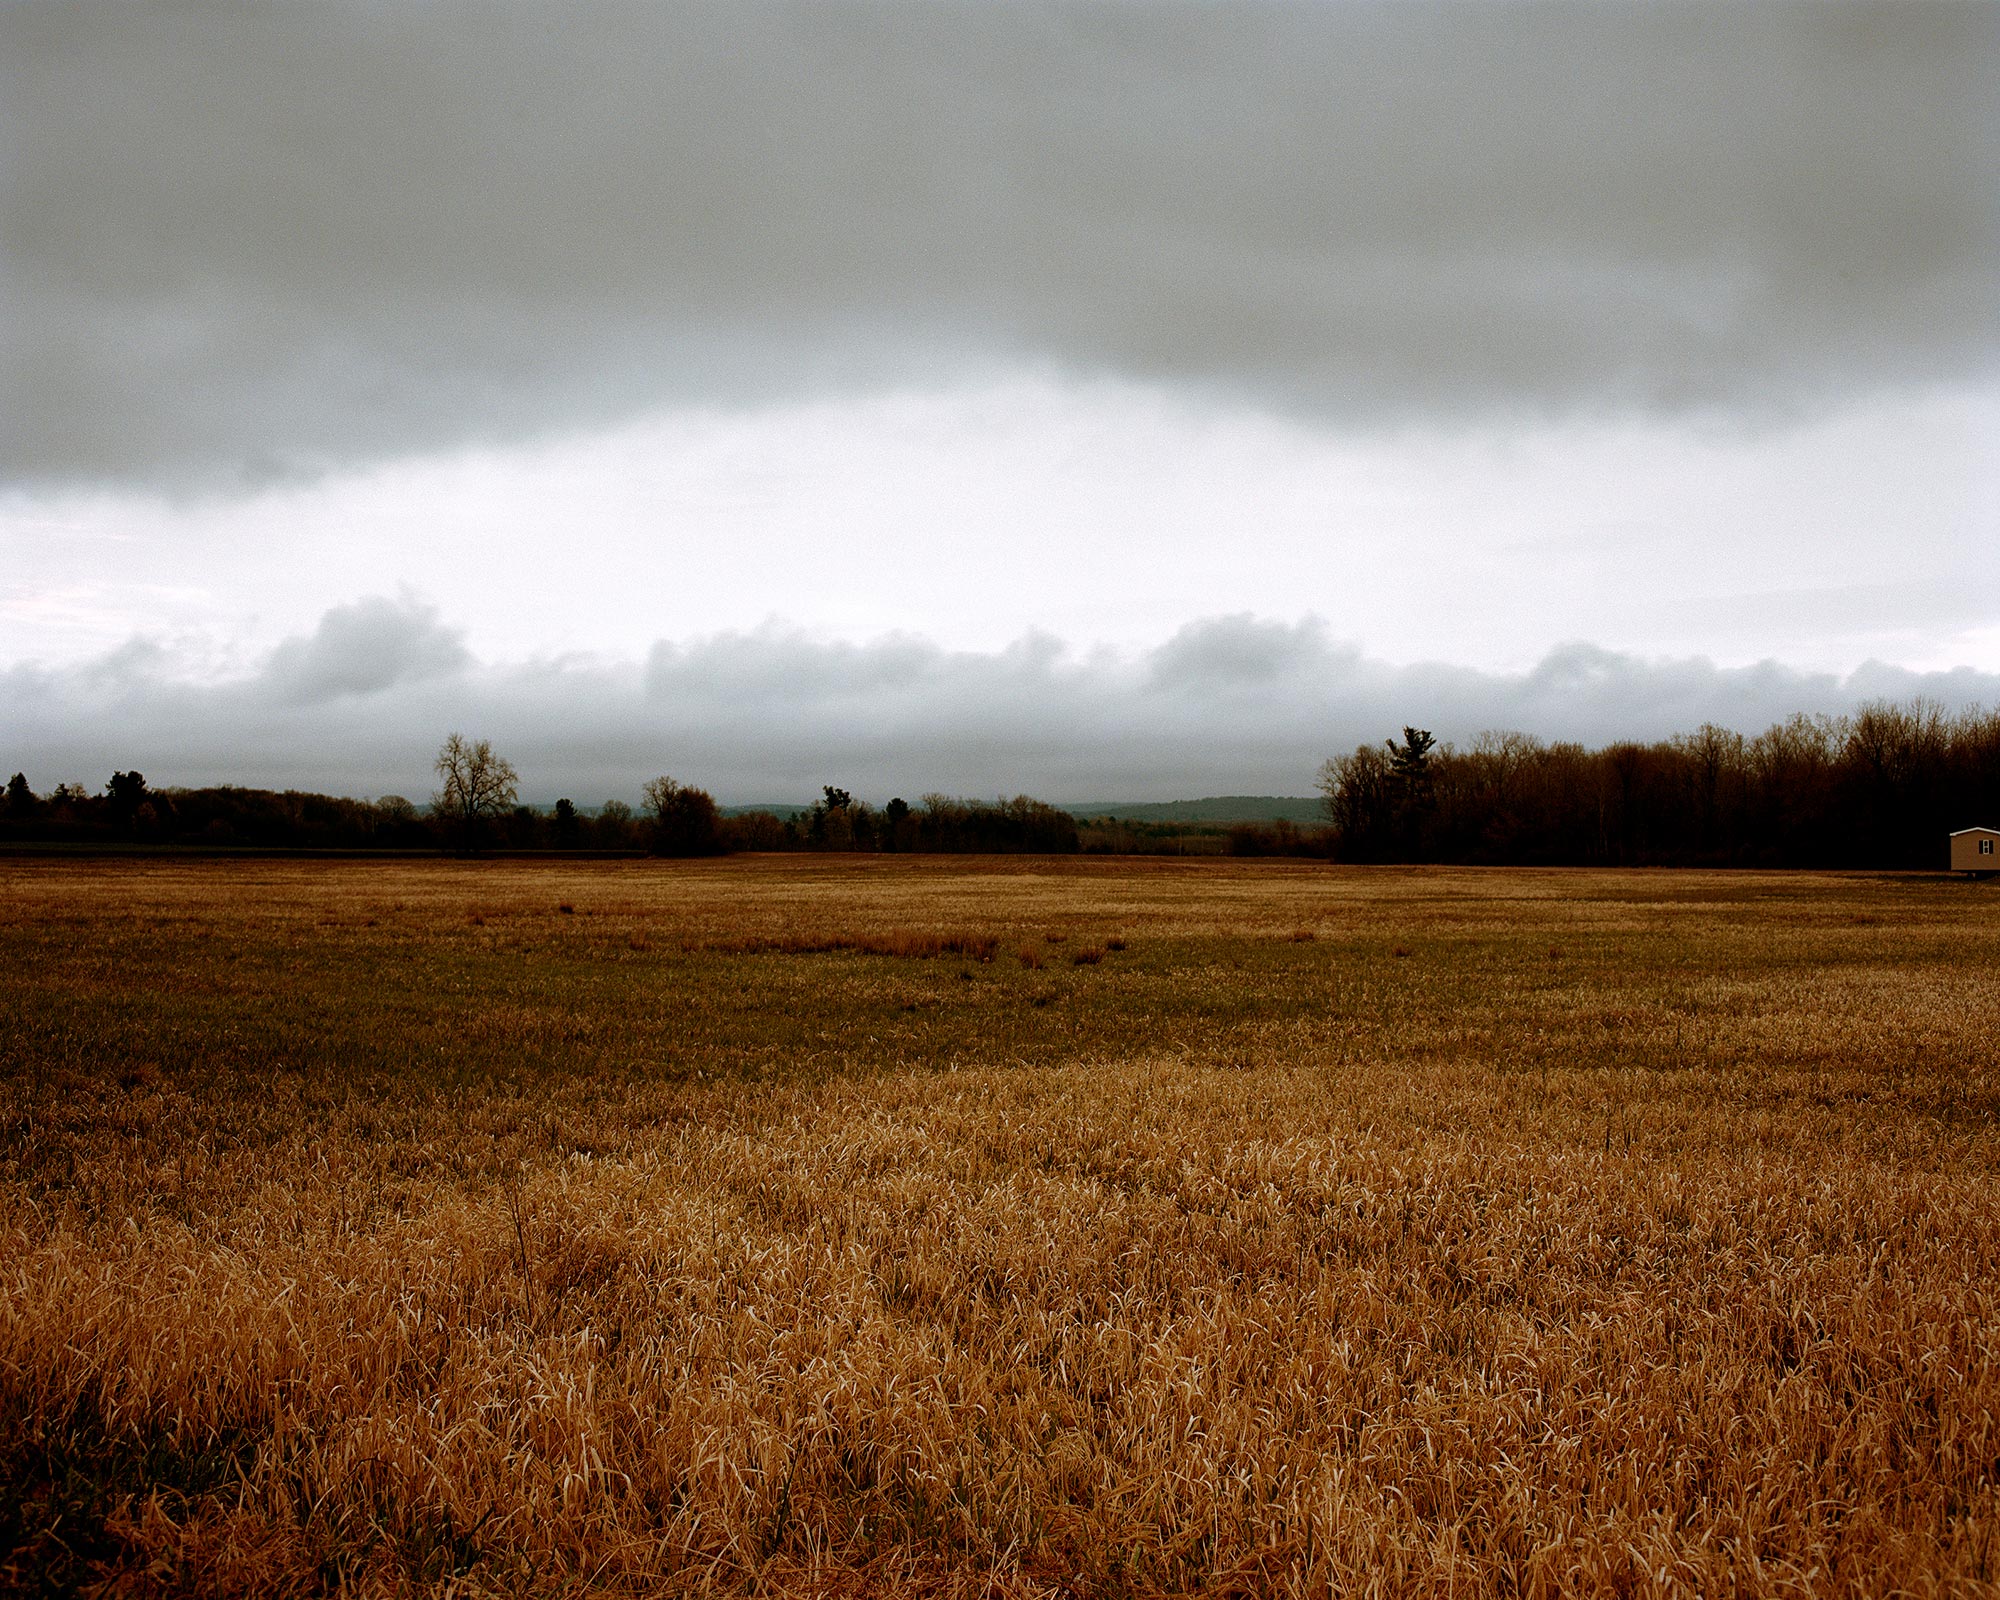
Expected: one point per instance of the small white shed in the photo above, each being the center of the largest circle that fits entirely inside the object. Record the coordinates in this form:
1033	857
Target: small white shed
1975	850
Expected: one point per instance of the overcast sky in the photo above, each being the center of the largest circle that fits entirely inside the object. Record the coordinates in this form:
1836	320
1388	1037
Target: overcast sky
1105	400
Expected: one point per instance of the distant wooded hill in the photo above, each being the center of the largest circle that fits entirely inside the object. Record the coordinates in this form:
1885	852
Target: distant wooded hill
1223	808
1217	808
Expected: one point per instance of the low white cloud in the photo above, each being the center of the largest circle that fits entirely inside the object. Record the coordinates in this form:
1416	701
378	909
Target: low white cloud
973	516
364	648
1236	704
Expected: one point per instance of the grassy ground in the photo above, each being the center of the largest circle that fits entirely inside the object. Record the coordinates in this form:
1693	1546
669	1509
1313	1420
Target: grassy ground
811	1225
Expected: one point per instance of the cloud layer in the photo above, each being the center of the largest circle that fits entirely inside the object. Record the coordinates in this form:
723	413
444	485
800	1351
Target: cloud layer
1234	704
241	244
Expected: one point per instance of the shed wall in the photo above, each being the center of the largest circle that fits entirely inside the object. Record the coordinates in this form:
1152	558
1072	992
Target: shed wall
1966	855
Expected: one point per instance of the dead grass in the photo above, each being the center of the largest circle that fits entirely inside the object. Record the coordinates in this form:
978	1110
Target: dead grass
382	1228
901	946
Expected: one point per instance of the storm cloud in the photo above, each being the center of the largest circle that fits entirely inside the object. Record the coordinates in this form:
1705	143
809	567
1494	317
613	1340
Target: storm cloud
243	244
1232	704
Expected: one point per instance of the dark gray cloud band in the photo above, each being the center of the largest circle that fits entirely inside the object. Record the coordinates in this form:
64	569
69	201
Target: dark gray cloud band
239	241
1228	705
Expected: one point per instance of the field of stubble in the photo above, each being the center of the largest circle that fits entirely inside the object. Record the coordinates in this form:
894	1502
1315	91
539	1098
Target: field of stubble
882	1226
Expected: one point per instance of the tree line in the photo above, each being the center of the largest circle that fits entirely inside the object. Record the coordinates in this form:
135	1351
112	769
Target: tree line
476	807
1879	789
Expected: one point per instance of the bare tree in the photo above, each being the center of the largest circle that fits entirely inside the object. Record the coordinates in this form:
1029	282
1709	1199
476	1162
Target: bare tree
475	787
1359	792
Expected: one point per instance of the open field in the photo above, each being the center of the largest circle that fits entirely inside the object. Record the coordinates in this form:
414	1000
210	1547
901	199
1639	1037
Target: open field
996	1227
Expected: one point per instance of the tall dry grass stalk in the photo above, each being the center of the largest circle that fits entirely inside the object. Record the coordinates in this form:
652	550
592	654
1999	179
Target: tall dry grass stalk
1627	1234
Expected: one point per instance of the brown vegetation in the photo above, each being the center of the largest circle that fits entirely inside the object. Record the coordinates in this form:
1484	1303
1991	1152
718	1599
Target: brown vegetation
902	945
628	1227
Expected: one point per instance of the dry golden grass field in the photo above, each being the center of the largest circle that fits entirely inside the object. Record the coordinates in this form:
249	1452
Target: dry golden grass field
809	1225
